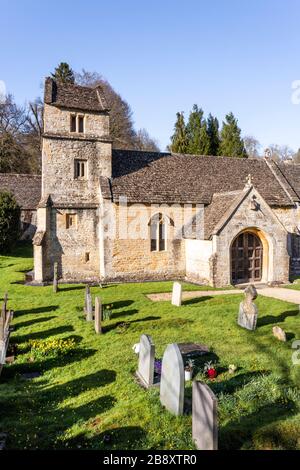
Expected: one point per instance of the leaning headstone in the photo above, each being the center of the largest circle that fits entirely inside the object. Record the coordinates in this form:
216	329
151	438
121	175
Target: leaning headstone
172	380
88	304
248	311
55	277
279	333
204	417
177	294
145	370
98	315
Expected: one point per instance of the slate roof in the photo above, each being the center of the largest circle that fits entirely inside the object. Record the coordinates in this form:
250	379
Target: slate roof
68	95
26	188
152	177
214	212
291	171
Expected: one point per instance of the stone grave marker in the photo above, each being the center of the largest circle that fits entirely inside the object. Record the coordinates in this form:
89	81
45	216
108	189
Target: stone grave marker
248	312
204	417
145	370
98	315
279	333
172	380
177	294
55	277
88	304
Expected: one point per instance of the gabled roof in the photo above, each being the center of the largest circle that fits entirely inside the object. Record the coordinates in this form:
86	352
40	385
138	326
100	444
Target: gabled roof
26	188
221	205
291	171
68	95
152	177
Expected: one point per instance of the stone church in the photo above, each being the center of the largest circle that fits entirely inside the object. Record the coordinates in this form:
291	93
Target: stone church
122	215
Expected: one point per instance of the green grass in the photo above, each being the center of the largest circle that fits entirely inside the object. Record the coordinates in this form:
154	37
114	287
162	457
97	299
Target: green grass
90	390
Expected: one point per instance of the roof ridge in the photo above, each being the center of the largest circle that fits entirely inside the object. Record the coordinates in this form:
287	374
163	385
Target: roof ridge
284	184
21	174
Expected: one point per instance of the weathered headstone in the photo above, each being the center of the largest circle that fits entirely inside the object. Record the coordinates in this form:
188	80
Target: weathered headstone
55	277
248	311
204	417
145	370
279	333
177	294
172	380
88	304
98	315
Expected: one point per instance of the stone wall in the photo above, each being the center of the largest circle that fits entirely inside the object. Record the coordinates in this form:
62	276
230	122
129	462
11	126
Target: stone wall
28	224
130	258
76	249
57	121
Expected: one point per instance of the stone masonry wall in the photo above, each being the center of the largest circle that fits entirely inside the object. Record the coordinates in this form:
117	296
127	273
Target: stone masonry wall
132	259
76	249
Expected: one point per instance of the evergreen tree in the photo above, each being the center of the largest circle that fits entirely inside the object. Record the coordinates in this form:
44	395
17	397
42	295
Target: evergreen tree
9	222
179	141
213	134
196	129
64	73
232	145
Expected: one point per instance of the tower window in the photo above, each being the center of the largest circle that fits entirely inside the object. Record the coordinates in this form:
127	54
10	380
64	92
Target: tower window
158	233
81	169
73	123
80	124
71	221
76	123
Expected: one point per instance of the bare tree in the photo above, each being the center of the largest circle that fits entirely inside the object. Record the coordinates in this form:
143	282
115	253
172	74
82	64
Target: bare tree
252	146
143	141
121	122
281	152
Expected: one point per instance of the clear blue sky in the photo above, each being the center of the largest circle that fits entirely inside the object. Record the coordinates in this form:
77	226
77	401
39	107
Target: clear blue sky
163	56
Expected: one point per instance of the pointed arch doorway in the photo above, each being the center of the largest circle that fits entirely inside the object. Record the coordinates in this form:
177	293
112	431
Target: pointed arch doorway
246	258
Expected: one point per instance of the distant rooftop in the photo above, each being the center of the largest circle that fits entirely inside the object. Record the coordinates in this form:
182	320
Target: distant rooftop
25	188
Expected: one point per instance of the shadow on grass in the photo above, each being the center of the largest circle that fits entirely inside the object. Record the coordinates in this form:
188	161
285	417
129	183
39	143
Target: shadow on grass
62	288
32	322
125	313
44	334
196	300
49	308
127	437
270	319
46	363
236	433
235	383
119	304
126	325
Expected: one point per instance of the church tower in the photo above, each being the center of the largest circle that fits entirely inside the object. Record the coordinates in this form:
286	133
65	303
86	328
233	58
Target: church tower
76	152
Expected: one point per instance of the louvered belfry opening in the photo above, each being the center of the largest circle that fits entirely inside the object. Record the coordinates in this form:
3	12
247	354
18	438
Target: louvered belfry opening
246	258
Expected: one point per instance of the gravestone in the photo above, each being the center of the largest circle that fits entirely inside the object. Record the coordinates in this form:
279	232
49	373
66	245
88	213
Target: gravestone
55	277
145	370
172	380
88	304
204	417
248	311
177	294
98	315
279	333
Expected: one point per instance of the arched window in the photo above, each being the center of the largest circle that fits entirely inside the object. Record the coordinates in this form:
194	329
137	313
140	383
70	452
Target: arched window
158	233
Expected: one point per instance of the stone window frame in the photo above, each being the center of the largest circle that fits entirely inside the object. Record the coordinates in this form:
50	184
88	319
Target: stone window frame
77	117
71	220
79	164
158	224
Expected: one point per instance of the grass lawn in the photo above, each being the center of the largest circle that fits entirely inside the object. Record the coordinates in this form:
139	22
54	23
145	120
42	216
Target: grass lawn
90	391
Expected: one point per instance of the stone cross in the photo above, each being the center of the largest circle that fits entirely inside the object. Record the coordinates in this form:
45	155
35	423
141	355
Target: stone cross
145	370
172	380
248	311
88	304
55	277
204	417
177	294
98	315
